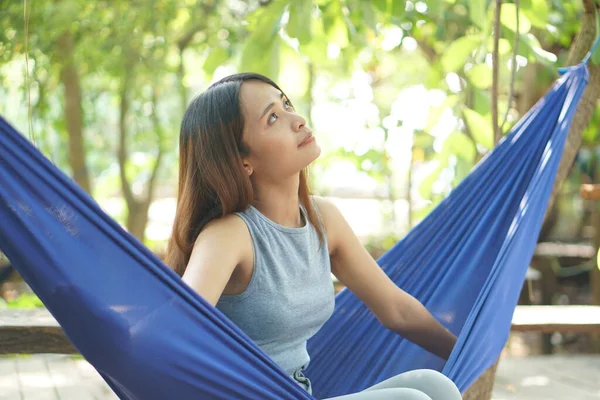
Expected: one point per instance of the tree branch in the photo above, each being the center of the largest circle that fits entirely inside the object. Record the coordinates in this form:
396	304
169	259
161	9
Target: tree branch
184	42
187	37
586	35
122	150
427	50
161	146
513	67
495	70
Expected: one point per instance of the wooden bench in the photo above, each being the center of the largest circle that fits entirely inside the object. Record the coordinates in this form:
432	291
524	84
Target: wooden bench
35	331
549	319
32	331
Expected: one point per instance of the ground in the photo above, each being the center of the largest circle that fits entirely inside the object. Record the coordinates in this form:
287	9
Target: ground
58	377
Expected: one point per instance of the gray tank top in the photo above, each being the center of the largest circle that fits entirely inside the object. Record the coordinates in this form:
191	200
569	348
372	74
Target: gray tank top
290	295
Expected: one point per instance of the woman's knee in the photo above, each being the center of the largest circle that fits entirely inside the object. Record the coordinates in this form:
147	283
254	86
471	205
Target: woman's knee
433	383
386	394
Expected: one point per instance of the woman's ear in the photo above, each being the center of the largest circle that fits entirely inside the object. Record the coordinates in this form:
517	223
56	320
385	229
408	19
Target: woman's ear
248	168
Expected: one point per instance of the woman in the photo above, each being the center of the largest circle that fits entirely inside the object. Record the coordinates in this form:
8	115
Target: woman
253	242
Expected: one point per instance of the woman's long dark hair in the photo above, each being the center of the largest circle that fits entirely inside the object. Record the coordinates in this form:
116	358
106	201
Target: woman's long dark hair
212	178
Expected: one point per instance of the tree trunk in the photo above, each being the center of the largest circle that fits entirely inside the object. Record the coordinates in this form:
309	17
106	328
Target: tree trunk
137	207
137	219
583	42
581	45
483	387
134	208
594	275
69	76
591	193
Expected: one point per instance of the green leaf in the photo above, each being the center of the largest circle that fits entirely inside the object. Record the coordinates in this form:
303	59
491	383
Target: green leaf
294	72
508	17
217	57
422	140
537	11
477	13
261	50
426	185
480	76
433	76
480	128
367	14
395	8
536	52
590	133
299	25
316	49
437	8
398	7
421	213
381	5
526	4
25	300
253	57
334	24
459	52
482	101
338	32
504	45
462	169
458	144
436	112
265	22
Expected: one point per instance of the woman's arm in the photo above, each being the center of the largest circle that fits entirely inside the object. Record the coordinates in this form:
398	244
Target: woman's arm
420	327
393	307
221	246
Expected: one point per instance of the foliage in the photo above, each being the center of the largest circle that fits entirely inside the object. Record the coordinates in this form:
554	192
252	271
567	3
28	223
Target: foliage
156	55
24	300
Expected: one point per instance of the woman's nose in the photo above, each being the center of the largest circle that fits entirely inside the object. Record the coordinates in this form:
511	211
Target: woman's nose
298	122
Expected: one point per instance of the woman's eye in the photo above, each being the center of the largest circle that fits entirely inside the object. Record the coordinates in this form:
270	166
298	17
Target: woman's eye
272	118
288	104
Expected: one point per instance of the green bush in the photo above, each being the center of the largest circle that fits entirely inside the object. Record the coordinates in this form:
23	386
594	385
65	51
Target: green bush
25	300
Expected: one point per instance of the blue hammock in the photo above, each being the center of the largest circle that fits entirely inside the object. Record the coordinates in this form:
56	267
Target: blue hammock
151	337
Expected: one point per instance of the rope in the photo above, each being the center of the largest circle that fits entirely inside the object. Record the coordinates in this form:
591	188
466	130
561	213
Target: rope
592	50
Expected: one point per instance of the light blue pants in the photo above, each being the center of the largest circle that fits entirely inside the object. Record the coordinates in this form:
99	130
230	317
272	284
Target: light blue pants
420	384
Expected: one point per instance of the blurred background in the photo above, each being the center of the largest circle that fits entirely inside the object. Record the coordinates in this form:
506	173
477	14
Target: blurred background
398	93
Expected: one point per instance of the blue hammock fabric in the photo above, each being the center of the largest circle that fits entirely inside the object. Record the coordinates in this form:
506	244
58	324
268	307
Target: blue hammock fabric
151	337
466	262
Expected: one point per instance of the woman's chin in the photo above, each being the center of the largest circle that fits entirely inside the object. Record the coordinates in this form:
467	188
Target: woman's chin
317	152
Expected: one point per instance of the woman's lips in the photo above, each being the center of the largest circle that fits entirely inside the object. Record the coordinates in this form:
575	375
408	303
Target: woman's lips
308	139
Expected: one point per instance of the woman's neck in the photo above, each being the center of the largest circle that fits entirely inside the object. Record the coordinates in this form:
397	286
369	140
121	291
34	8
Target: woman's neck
279	202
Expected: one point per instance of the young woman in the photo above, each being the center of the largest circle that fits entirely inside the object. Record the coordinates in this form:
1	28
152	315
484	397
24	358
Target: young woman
253	242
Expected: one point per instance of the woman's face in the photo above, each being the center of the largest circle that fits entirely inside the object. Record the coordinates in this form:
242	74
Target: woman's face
280	142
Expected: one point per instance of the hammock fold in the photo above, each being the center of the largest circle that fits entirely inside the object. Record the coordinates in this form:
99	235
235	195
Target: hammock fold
151	337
